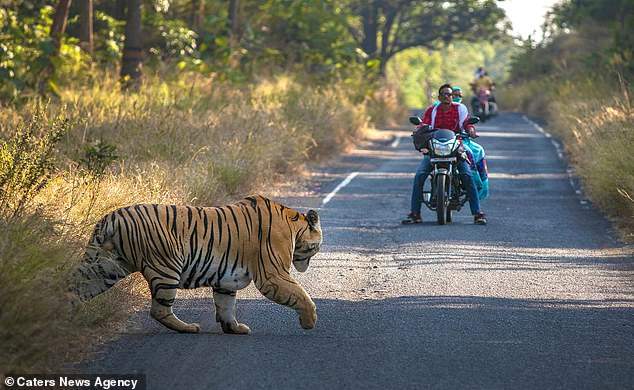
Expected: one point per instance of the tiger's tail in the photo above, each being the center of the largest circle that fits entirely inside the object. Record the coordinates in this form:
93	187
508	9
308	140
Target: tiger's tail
101	267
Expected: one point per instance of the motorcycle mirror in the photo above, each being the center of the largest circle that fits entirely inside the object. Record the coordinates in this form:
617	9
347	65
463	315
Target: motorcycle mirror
414	120
473	120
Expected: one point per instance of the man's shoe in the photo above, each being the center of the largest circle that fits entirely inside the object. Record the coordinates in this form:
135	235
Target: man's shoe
411	219
480	219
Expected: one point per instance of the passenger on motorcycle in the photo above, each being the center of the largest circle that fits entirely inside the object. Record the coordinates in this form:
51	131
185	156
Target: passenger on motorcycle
456	94
452	116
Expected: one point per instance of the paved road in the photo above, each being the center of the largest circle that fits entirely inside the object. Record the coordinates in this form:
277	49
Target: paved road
542	297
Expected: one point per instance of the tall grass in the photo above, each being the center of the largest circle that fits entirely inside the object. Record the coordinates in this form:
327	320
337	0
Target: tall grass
595	120
188	140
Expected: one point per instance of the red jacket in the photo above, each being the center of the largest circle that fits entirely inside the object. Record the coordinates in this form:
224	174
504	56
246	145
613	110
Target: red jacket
449	119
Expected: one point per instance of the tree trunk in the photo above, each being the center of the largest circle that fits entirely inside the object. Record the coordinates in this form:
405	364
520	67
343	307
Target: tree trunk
370	16
234	31
119	13
86	26
196	14
131	62
59	24
57	31
233	19
390	15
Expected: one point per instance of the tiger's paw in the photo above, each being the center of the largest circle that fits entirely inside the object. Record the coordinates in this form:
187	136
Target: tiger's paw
308	320
190	328
236	328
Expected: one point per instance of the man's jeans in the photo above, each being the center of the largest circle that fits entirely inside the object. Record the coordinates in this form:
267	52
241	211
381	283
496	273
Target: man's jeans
465	175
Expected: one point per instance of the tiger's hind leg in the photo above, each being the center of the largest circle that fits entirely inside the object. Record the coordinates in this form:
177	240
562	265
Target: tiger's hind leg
162	300
96	275
225	302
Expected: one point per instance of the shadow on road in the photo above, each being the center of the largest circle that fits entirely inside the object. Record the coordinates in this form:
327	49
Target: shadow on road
450	342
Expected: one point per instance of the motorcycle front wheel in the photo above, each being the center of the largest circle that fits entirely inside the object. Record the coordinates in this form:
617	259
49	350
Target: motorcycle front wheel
441	204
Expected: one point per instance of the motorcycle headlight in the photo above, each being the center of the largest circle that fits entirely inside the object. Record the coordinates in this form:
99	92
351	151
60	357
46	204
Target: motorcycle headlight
444	148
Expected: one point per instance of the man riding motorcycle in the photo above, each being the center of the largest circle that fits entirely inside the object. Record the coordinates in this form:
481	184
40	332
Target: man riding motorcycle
452	116
482	87
456	95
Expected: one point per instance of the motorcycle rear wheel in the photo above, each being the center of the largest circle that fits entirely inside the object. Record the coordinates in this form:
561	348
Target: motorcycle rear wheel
441	204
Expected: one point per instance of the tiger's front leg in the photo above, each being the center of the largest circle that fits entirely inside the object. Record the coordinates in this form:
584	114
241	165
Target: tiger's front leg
225	301
288	292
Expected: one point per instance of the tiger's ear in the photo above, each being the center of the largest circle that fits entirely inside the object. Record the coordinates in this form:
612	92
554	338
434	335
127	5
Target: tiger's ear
313	219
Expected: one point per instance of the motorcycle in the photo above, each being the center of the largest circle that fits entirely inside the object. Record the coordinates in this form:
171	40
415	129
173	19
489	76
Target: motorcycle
483	105
444	147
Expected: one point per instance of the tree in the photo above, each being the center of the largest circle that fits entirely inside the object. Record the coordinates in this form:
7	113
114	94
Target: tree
119	11
383	28
132	60
86	25
234	6
57	32
59	24
234	33
196	14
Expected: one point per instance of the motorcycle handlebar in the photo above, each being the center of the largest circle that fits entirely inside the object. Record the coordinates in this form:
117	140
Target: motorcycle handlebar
462	133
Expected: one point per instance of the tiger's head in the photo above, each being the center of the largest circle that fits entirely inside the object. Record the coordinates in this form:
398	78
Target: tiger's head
307	242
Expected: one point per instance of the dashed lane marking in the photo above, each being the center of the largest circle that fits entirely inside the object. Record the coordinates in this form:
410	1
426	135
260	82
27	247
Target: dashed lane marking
344	183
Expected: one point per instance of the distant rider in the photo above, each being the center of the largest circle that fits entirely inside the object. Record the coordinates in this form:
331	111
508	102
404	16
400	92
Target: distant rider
482	85
452	116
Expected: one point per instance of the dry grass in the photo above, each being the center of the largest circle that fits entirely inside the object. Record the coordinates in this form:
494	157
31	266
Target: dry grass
188	140
386	106
596	122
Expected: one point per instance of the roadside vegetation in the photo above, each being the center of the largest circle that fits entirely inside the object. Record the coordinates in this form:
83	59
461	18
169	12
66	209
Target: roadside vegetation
68	162
421	70
109	103
578	78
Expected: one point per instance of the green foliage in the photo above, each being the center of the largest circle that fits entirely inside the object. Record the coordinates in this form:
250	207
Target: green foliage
422	71
24	45
27	50
28	161
97	157
172	42
110	37
312	34
385	28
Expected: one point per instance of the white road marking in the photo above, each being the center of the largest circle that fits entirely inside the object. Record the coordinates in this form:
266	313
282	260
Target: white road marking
344	183
397	140
560	154
488	127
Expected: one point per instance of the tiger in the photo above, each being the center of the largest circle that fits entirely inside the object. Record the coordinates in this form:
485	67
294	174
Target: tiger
186	247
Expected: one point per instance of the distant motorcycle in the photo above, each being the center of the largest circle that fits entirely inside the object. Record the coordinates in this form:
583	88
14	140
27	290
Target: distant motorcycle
444	147
483	105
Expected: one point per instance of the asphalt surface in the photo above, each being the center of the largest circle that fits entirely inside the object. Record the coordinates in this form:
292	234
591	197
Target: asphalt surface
542	297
